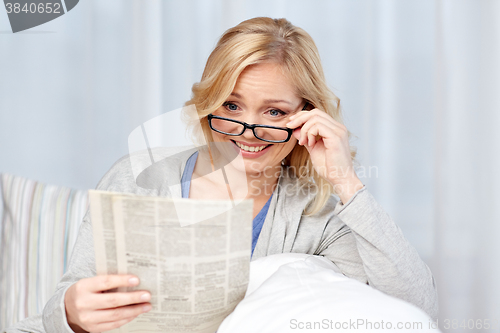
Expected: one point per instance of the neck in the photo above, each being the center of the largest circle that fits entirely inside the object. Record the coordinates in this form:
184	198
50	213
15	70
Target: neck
242	184
263	183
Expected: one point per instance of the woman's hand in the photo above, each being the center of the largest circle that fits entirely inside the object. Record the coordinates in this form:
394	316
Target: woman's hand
90	309
327	142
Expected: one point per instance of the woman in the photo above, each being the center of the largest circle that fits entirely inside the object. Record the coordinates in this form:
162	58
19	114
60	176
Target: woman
263	72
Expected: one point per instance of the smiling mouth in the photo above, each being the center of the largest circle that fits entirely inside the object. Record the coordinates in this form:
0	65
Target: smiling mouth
252	149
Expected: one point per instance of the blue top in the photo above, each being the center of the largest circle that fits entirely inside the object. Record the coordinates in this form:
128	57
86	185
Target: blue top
258	221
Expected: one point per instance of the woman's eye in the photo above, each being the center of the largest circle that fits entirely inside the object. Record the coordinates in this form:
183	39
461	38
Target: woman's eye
276	112
231	106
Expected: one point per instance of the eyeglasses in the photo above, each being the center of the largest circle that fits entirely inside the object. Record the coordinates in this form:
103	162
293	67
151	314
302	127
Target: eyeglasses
262	132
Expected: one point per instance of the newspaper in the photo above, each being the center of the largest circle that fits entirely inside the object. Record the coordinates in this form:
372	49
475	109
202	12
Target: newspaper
196	268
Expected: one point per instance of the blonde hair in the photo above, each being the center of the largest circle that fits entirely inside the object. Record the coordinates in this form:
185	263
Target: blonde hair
259	40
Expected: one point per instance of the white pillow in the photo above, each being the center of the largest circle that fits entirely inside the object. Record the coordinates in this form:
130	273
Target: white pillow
299	292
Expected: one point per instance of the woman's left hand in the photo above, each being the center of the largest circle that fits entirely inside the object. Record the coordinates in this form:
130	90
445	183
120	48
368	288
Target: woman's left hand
327	142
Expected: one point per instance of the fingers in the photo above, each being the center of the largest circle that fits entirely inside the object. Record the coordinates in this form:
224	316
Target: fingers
103	327
315	133
304	116
310	130
117	299
118	315
107	282
315	125
88	306
121	318
311	136
316	116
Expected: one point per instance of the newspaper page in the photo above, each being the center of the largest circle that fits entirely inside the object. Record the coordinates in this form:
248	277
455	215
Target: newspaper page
196	268
101	214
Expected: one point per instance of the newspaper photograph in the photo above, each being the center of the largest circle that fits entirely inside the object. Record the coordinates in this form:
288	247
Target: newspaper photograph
195	268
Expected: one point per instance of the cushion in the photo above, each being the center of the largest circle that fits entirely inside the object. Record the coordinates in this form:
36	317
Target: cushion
37	233
299	292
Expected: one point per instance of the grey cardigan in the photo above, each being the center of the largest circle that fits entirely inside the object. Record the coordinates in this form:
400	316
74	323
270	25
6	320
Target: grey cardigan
358	236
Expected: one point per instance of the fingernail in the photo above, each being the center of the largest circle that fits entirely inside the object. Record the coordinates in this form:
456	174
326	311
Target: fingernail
146	308
145	297
133	281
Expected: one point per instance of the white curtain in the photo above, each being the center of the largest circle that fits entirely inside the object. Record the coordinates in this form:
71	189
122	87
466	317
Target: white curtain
419	82
466	162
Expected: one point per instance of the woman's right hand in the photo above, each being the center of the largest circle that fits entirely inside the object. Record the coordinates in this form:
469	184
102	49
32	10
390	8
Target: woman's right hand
90	309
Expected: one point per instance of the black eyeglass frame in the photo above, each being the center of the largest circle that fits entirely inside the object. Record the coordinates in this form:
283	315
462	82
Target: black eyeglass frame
253	127
250	126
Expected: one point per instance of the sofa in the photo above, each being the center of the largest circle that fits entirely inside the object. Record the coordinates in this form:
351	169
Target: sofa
39	225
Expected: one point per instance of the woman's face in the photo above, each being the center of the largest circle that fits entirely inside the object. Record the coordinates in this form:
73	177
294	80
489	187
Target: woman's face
262	95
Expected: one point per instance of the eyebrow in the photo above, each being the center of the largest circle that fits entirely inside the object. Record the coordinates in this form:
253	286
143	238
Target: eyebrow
267	101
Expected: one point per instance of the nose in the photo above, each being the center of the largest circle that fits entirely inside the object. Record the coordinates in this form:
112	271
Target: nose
252	119
248	134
